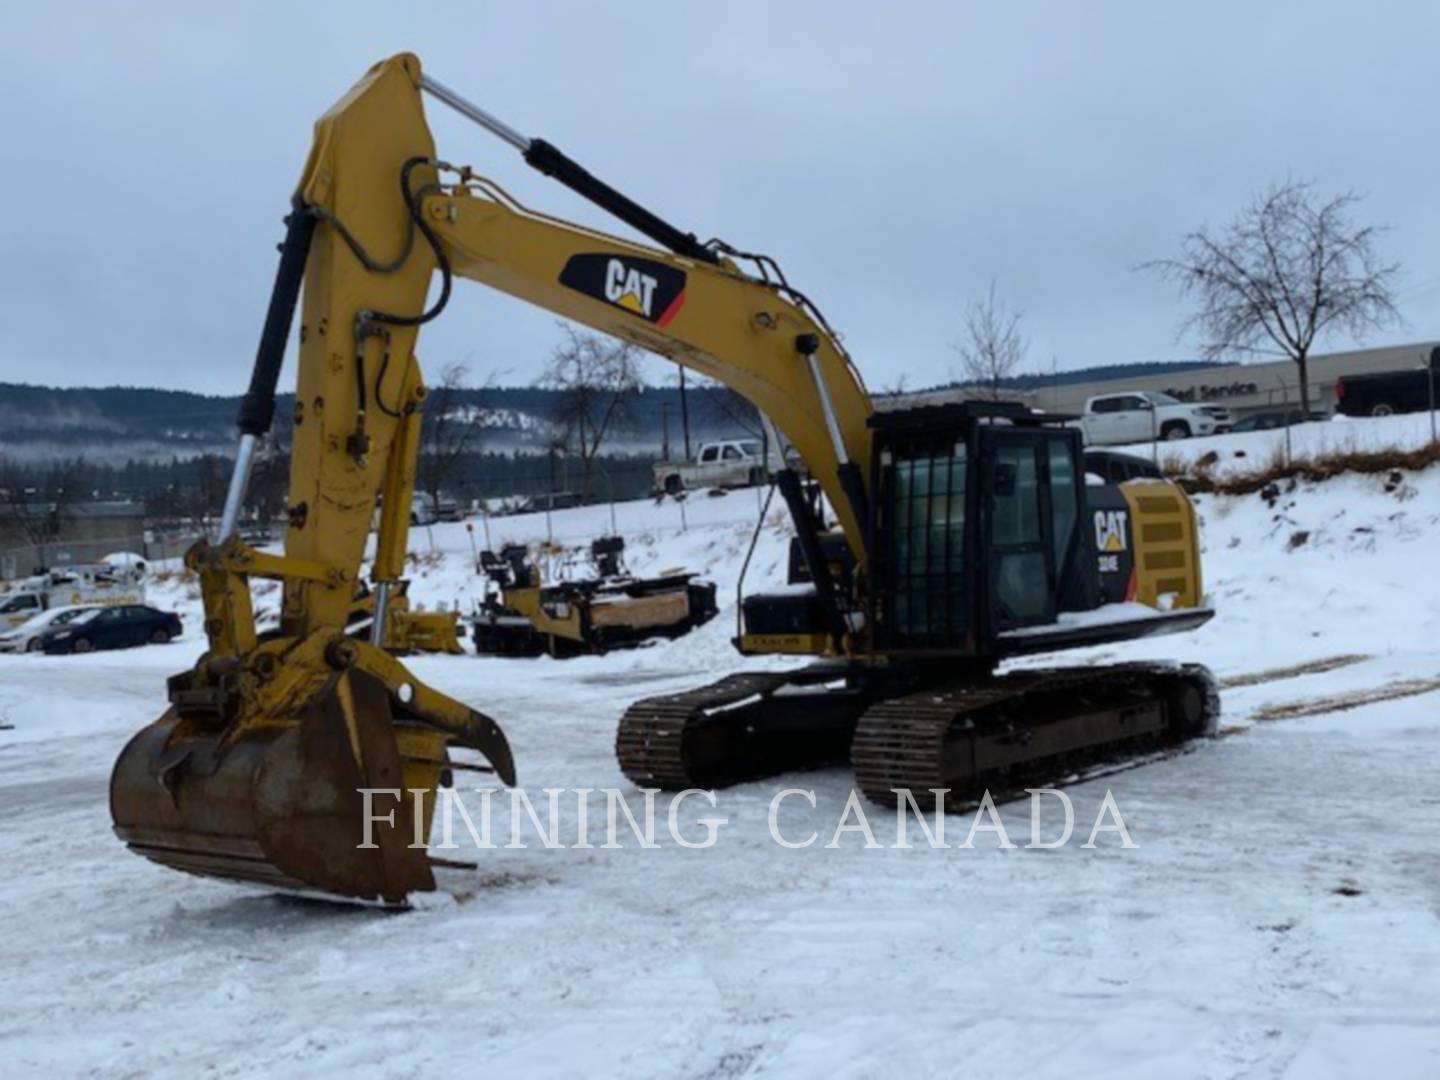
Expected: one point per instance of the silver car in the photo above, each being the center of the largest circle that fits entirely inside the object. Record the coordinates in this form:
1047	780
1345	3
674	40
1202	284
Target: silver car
26	637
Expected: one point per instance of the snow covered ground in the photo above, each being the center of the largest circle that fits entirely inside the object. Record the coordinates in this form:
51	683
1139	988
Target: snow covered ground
1278	917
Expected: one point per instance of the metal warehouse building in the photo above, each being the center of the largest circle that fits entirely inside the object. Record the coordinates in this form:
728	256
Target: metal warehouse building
86	532
1244	388
1247	388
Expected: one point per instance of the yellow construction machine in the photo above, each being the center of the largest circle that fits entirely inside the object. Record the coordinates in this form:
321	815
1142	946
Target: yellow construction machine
962	536
523	616
406	630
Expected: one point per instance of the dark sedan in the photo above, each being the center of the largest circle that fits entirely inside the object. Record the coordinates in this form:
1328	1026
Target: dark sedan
1275	418
1115	466
112	628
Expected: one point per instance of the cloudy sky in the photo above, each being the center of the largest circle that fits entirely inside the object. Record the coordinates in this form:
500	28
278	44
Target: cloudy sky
894	157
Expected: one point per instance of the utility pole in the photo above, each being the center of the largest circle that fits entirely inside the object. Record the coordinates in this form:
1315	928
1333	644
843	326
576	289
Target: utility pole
1431	369
684	413
664	431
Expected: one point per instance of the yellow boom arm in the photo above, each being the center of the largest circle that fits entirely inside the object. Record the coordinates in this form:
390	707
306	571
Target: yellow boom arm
387	221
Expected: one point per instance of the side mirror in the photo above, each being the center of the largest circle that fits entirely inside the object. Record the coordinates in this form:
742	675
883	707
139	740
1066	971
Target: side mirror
1147	405
1003	483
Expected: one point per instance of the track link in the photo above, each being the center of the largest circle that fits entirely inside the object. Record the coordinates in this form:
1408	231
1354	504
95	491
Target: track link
1000	734
1028	728
737	729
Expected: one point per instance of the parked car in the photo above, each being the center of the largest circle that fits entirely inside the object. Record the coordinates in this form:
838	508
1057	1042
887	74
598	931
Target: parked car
424	511
112	628
553	500
1143	415
66	586
1113	467
257	535
1271	419
26	636
730	463
1388	392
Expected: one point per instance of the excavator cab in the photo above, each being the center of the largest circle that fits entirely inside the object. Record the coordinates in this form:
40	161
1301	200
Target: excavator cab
978	519
985	542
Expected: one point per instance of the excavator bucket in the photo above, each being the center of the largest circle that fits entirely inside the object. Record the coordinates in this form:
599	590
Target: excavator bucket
283	804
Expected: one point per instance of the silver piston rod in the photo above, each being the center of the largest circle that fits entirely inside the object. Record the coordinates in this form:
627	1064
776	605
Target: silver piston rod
239	483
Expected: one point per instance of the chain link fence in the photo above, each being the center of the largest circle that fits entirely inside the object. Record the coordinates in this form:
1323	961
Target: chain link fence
157	545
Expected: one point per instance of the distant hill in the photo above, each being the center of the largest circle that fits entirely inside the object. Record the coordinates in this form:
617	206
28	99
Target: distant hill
38	423
118	424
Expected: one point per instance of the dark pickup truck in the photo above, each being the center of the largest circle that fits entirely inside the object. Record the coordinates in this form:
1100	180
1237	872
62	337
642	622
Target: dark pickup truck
1389	392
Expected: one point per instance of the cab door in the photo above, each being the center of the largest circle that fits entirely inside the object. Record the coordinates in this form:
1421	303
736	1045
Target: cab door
1135	422
1019	549
707	466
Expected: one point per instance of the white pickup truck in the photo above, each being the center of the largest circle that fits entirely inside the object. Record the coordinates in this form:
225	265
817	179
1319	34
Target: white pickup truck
1146	415
92	583
732	463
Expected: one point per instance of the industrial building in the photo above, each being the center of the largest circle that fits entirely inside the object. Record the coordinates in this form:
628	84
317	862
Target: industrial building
1243	388
35	535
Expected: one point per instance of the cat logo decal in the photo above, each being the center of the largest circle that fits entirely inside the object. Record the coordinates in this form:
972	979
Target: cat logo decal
643	287
1112	529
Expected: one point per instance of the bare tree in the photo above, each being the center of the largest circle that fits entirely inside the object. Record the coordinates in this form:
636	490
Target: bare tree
1286	270
451	430
37	513
723	407
204	501
994	348
269	490
896	386
597	378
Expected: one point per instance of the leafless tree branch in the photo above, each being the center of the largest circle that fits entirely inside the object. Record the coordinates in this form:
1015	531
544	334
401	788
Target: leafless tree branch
450	430
596	378
993	348
1288	269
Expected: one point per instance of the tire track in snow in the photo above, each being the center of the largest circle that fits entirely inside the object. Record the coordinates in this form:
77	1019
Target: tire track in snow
1309	667
1400	688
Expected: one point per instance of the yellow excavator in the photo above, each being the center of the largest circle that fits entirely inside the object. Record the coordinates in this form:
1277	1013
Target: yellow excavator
962	536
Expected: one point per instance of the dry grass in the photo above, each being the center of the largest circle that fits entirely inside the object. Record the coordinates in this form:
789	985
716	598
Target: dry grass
1199	477
1402	688
426	560
184	575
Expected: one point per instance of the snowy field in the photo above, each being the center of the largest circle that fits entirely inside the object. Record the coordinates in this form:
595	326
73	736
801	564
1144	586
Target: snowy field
1278	917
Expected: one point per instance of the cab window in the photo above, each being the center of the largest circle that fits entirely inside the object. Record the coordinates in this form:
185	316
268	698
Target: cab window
927	509
709	453
1064	499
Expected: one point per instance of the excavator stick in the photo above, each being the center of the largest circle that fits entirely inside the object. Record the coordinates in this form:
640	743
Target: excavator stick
303	759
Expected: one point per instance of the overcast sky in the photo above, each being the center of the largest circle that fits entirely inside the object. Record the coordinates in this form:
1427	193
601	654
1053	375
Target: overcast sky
894	157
